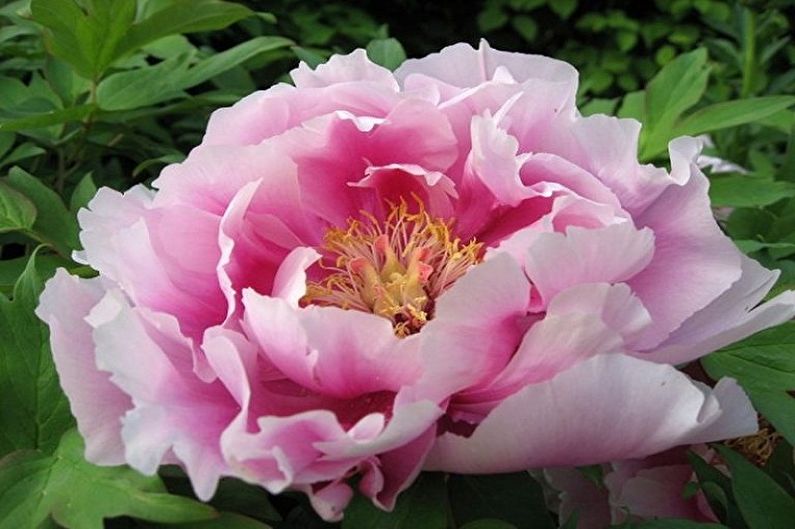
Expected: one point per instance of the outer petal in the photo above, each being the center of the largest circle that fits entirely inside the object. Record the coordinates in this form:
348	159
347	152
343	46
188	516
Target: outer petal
97	404
693	259
174	410
311	447
581	417
146	251
352	67
730	318
349	83
463	66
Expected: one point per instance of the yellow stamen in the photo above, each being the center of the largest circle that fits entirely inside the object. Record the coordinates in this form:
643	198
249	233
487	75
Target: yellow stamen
395	268
759	446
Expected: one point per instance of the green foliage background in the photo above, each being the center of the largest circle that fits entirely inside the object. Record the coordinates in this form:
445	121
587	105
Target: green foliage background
106	92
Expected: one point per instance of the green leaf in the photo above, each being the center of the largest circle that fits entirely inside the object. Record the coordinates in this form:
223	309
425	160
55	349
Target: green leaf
764	360
633	106
778	407
675	88
47	119
143	86
22	152
54	224
491	18
34	412
515	498
422	505
743	191
168	79
166	159
750	246
563	8
717	489
79	495
312	57
765	366
525	26
747	223
787	169
11	269
87	34
83	193
183	16
389	53
226	60
16	211
731	114
763	503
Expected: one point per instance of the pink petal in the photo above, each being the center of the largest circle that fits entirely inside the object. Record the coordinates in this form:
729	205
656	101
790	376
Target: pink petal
174	410
463	66
581	322
455	349
254	243
342	353
657	493
333	152
694	262
97	404
581	497
732	316
395	182
346	83
615	253
352	67
581	417
399	468
147	252
290	280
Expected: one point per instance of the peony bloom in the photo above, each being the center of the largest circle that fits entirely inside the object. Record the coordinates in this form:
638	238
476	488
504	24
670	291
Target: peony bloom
367	273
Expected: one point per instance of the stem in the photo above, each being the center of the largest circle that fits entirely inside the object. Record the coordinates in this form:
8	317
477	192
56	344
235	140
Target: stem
749	52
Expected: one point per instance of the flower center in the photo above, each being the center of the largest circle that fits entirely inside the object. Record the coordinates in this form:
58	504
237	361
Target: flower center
394	268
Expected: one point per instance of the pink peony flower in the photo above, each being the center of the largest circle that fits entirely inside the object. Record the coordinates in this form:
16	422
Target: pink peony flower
344	262
638	489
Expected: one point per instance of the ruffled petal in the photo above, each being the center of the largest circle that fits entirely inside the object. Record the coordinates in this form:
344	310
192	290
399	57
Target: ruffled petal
174	411
352	67
342	353
694	262
581	322
615	253
581	417
731	317
463	66
96	403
